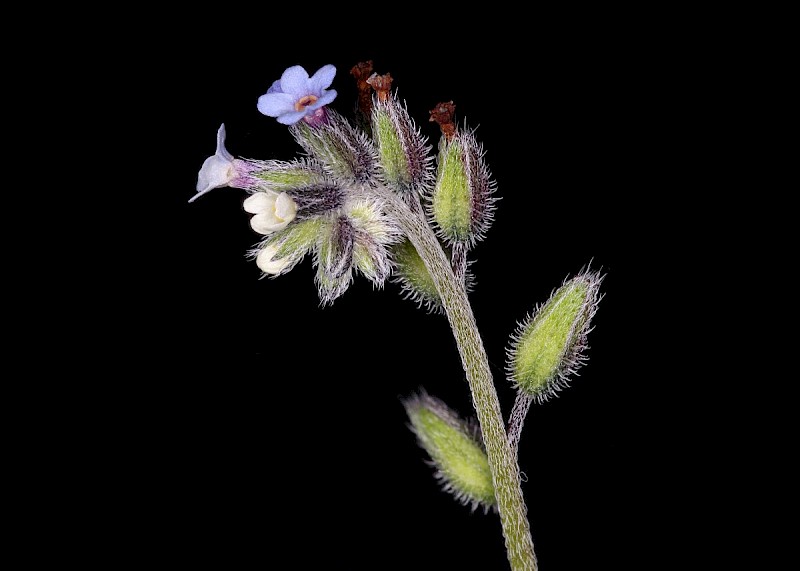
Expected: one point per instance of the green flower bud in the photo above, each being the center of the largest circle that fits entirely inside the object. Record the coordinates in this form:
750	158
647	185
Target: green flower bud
413	277
373	233
335	258
455	450
403	153
549	345
415	280
462	204
345	153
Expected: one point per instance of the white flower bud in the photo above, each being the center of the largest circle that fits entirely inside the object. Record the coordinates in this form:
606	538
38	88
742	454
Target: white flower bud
267	264
272	211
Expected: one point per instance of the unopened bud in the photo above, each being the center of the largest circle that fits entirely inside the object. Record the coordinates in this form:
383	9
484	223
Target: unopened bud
272	211
281	251
550	344
403	153
462	203
373	233
335	259
455	450
415	280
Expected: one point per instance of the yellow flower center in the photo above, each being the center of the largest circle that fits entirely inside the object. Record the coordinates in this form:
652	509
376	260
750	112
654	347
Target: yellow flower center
305	102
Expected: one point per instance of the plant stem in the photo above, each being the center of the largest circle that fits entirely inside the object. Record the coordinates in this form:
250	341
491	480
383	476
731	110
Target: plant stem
517	419
458	261
502	462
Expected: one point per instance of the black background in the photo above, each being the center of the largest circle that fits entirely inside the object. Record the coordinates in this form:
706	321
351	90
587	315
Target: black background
271	429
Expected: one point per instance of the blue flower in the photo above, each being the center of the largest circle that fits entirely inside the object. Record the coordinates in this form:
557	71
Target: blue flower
296	96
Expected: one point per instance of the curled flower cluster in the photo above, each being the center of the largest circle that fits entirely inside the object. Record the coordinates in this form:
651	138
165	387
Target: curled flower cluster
321	204
370	199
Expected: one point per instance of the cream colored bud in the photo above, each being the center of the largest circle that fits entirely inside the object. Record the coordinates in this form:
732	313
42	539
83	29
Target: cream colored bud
272	211
266	262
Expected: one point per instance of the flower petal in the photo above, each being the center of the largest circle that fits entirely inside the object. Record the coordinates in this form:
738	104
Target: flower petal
275	104
260	202
292	117
275	87
269	266
285	207
324	99
266	223
216	172
221	150
295	81
322	79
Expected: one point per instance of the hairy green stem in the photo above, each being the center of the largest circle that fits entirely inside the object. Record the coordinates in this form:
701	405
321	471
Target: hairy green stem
458	260
502	461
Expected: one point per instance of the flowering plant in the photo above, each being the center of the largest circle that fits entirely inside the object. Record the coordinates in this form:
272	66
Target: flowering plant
369	197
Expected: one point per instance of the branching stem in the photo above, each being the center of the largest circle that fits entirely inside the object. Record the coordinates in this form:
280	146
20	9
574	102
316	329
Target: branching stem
502	461
517	419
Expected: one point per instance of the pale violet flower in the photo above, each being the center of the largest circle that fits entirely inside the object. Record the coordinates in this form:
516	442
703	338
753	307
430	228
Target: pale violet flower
267	264
218	170
297	96
272	211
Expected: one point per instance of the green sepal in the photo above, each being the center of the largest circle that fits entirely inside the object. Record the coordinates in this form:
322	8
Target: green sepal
404	155
282	176
345	153
550	344
455	450
451	200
